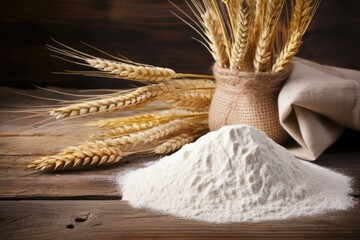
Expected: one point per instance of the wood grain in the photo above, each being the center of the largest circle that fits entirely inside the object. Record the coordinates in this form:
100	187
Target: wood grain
116	219
18	182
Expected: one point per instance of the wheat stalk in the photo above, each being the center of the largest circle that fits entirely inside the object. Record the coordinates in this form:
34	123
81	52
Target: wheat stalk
216	38
132	139
263	50
164	115
189	105
121	68
303	13
195	100
232	9
191	95
192	84
132	72
174	143
241	42
130	100
94	156
116	122
221	23
129	128
106	151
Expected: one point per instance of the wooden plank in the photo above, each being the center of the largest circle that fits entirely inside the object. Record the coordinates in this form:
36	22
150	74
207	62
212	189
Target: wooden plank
17	182
116	219
38	145
97	183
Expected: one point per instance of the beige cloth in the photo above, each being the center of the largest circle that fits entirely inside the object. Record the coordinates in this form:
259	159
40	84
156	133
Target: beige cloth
316	104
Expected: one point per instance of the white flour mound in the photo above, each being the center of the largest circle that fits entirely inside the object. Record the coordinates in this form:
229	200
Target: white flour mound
235	174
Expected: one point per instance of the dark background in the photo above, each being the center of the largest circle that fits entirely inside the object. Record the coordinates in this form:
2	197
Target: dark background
144	31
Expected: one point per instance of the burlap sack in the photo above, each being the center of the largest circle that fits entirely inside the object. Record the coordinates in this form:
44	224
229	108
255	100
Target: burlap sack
248	98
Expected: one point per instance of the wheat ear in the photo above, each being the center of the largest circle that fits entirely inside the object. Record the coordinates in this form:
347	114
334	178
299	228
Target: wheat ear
195	100
303	13
192	84
132	139
130	100
232	9
128	128
216	38
121	68
174	143
116	122
263	50
164	115
106	151
94	156
241	42
132	72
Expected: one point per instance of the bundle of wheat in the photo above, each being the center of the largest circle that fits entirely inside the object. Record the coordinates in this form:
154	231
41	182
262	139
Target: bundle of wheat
244	35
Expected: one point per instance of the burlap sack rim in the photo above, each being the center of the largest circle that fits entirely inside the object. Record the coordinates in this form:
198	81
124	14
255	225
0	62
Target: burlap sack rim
250	82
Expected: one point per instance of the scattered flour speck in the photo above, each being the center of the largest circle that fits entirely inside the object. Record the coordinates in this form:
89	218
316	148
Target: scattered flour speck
235	174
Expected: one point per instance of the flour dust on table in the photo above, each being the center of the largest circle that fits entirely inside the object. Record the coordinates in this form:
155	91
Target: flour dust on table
235	174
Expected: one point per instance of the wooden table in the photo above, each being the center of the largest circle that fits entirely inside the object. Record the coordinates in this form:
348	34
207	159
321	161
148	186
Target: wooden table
87	204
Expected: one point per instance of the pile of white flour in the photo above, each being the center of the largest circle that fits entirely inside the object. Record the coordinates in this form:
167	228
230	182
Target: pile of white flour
232	175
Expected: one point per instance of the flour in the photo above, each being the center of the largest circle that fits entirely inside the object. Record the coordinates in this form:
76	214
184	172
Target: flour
235	174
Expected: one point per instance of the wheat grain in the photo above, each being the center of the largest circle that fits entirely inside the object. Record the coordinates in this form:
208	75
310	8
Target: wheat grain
130	100
241	42
263	50
303	13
